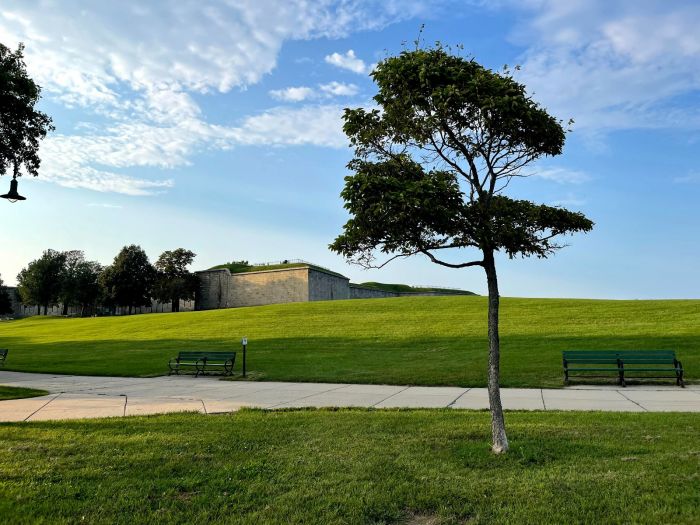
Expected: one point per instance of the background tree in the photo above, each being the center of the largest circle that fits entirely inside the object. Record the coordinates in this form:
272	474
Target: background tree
5	300
79	282
129	281
21	125
40	282
430	169
174	281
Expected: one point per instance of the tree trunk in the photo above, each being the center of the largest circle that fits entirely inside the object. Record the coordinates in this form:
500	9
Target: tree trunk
46	309
498	427
176	304
65	309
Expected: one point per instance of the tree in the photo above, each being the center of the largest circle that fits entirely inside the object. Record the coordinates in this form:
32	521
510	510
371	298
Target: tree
5	300
430	170
40	282
79	282
21	125
128	282
174	281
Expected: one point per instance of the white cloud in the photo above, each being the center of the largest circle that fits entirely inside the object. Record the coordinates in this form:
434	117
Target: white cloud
293	94
560	175
348	61
691	178
612	65
570	200
302	93
136	66
339	89
318	125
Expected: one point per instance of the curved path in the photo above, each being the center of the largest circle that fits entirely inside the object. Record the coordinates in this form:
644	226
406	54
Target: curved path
75	397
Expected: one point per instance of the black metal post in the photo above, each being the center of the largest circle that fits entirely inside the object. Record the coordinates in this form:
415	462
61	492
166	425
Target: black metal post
244	342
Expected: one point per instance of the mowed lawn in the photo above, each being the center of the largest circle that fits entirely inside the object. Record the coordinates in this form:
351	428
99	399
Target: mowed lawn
353	467
412	340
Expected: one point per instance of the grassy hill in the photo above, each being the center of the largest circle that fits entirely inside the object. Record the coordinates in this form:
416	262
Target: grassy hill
405	288
408	340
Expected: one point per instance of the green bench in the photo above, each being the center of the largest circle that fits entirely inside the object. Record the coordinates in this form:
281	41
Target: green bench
3	356
203	362
624	364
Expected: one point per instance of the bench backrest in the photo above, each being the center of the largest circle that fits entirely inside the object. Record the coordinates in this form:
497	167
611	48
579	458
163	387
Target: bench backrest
207	355
626	356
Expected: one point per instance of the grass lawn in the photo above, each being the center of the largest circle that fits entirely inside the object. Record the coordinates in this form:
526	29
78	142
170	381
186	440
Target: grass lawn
11	392
408	340
353	466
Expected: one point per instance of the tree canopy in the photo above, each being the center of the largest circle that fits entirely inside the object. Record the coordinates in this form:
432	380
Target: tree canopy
22	126
129	280
40	282
432	161
174	281
5	300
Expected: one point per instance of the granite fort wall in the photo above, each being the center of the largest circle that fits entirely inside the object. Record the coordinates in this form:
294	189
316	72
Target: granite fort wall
269	287
327	286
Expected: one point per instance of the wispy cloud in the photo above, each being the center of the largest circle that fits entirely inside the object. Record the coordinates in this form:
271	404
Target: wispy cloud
348	61
301	93
293	94
135	70
691	178
612	65
560	175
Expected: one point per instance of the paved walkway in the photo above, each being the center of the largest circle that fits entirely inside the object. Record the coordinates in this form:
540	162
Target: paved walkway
84	397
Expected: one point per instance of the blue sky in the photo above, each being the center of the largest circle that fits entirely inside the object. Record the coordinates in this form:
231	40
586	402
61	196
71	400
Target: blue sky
215	126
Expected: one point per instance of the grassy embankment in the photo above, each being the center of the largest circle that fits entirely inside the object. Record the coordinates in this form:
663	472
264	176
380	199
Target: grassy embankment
352	466
411	340
10	392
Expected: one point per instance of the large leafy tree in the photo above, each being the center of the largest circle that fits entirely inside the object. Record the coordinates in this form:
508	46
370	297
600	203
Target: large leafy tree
174	281
5	301
79	282
22	126
129	281
40	282
430	168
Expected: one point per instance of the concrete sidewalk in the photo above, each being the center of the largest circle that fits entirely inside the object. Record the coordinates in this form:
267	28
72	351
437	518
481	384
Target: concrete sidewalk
75	397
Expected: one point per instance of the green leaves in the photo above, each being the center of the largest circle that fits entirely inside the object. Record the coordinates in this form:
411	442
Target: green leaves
431	161
21	126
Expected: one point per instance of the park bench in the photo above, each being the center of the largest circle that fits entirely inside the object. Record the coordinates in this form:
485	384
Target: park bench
624	364
203	362
3	356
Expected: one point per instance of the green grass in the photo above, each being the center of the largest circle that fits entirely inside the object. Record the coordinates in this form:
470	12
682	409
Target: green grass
405	288
11	392
352	466
406	340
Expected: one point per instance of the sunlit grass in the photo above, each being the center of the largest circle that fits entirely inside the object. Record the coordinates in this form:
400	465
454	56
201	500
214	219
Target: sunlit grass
412	340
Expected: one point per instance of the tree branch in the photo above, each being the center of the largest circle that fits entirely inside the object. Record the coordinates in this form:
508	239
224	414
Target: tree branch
451	265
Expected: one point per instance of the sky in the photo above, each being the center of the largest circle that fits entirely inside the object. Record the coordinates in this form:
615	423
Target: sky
217	126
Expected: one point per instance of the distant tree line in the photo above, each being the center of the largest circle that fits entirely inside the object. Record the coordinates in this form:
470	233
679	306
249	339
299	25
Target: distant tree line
131	281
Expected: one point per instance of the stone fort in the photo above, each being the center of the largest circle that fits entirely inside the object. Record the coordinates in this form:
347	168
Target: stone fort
293	282
219	288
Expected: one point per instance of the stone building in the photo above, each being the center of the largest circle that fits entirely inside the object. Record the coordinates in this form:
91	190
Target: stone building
219	288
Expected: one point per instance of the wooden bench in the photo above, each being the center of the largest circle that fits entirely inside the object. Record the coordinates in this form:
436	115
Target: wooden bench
203	362
623	363
3	356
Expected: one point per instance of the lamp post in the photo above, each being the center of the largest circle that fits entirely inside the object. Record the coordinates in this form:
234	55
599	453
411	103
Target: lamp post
13	195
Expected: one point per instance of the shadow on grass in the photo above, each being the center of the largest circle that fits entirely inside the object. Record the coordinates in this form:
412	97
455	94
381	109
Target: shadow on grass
527	361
